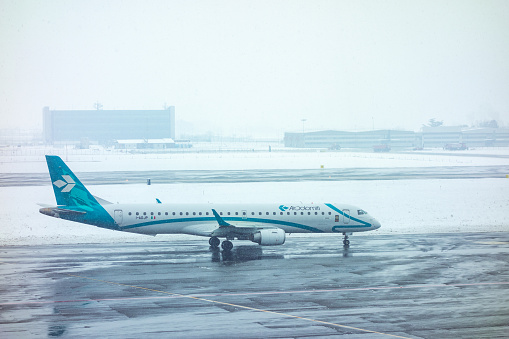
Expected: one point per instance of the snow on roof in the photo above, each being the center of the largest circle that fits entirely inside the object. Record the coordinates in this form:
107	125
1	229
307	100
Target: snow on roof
147	141
442	129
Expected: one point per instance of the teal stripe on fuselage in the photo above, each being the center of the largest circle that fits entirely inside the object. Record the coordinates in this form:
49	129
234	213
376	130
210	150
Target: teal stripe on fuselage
362	222
167	221
264	221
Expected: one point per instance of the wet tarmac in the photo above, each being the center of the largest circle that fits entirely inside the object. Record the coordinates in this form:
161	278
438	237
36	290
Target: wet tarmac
383	286
266	175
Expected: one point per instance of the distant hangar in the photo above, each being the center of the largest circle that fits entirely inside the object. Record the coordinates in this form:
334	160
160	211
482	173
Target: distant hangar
106	126
427	137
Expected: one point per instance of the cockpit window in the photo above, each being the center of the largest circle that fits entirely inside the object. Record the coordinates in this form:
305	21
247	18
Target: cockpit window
361	212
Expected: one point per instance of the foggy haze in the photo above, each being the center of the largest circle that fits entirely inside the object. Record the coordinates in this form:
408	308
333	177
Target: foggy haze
259	67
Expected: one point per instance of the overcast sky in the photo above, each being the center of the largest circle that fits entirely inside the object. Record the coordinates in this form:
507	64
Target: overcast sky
259	67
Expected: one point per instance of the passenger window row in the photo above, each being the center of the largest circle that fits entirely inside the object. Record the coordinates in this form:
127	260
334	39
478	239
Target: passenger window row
173	213
221	213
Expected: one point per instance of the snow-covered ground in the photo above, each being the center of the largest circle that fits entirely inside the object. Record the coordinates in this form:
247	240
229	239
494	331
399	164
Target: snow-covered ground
112	161
402	206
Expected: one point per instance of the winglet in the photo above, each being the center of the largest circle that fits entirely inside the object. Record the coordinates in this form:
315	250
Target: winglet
220	220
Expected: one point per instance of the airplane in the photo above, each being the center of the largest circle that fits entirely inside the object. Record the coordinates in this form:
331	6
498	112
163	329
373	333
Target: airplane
264	224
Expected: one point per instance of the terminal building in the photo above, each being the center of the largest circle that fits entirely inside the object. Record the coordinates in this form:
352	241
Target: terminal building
367	139
398	139
107	126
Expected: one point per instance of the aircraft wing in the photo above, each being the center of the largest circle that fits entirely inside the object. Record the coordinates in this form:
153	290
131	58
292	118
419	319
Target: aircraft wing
211	230
225	229
228	230
204	230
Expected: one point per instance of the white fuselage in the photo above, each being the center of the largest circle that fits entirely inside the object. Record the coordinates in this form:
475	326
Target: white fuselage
198	219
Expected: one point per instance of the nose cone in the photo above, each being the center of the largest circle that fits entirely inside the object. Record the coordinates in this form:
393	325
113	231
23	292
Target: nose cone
376	224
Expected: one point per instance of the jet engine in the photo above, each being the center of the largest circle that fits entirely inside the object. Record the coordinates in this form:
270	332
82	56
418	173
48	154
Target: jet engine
269	237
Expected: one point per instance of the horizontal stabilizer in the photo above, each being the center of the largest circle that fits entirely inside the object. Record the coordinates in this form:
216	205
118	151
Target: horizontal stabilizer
44	205
56	211
102	201
63	210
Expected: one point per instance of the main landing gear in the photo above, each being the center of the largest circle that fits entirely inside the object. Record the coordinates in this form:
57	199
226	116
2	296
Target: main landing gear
227	245
214	242
346	242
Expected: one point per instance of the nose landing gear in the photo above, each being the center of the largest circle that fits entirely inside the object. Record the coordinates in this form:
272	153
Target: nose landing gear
346	242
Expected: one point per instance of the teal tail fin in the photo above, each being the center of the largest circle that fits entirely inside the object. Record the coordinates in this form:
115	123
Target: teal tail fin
74	201
69	191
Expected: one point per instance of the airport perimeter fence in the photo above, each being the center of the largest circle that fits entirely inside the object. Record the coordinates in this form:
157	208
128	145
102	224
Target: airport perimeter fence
14	154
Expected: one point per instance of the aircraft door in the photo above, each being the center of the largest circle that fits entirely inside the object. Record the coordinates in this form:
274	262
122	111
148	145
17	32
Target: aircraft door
119	217
346	216
325	221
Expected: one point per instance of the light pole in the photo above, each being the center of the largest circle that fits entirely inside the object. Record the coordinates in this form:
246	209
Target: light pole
303	121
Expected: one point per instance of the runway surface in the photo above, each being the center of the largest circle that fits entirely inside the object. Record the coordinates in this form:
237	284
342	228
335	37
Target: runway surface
404	286
265	175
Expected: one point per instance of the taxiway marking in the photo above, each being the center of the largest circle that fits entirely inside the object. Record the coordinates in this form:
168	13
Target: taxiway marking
238	306
253	293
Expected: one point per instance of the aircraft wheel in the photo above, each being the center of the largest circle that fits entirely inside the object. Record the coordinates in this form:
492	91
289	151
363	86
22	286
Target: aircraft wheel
214	242
346	242
227	245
